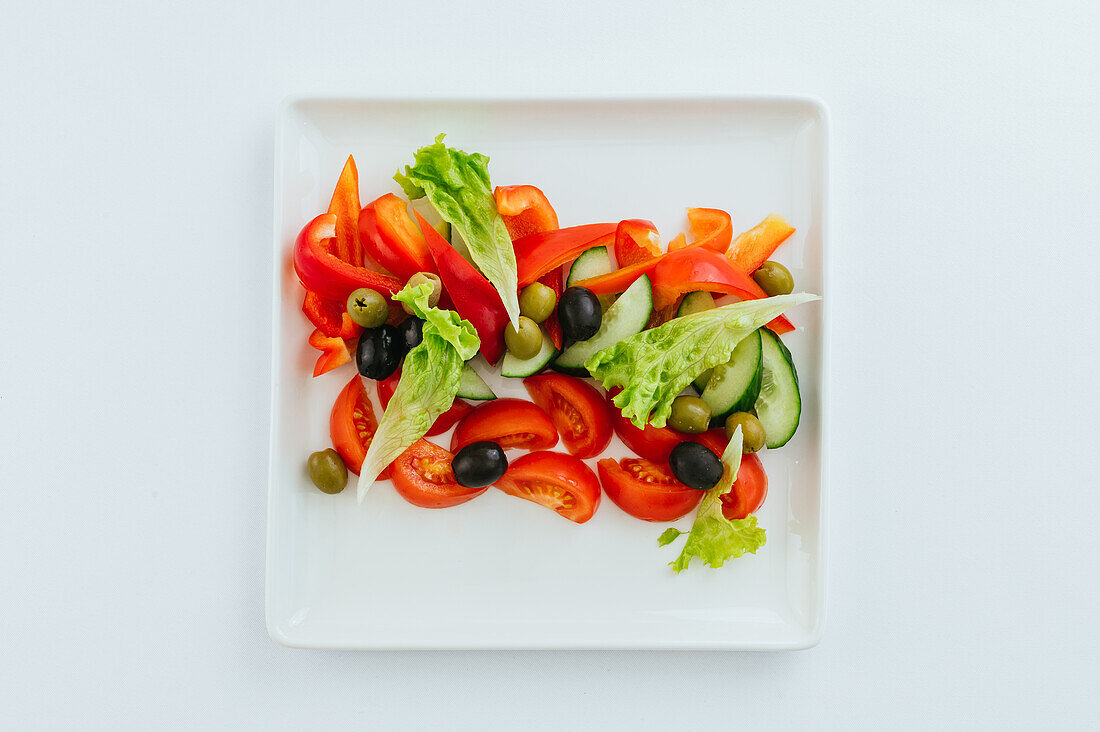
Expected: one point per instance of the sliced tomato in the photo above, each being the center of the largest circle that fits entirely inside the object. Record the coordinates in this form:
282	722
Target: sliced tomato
749	490
646	489
577	410
352	425
655	443
423	477
507	422
458	410
559	482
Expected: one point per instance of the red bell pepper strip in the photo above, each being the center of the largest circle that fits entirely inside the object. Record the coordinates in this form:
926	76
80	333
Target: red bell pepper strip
329	316
752	248
334	352
525	210
555	280
345	204
390	236
710	228
537	254
696	268
636	240
474	297
328	275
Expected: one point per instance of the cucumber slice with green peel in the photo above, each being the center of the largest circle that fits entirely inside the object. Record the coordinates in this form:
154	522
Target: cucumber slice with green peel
735	385
592	263
472	386
627	317
697	302
779	405
518	368
425	208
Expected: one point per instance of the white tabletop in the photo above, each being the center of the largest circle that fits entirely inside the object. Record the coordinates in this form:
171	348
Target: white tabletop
136	208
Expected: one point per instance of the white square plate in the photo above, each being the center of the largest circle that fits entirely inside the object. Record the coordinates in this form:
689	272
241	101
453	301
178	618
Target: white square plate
499	572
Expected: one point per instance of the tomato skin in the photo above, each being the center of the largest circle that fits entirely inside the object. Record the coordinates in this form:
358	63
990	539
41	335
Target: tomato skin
749	490
576	408
458	410
646	490
511	423
423	477
352	415
554	480
655	443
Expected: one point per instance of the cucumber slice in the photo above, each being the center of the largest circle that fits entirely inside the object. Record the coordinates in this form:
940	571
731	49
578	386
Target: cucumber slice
472	386
592	263
627	317
425	208
518	368
779	405
734	385
697	302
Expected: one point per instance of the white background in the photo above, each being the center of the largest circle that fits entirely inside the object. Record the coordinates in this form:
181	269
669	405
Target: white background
136	149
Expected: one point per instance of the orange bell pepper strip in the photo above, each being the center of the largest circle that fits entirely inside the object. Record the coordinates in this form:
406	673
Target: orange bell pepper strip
636	240
710	228
334	352
345	205
329	316
538	253
697	268
392	238
324	273
525	210
622	278
752	248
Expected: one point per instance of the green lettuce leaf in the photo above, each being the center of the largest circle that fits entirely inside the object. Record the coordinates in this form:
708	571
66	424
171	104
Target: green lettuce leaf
713	538
457	184
428	386
654	366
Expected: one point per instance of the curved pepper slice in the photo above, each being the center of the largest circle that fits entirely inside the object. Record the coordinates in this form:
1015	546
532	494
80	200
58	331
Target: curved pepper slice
537	254
326	274
345	204
329	316
620	279
752	248
334	352
525	210
636	240
696	268
390	236
711	228
474	297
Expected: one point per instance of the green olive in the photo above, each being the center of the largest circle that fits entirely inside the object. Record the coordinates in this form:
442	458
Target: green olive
368	308
420	278
327	471
752	432
537	301
689	414
774	279
525	342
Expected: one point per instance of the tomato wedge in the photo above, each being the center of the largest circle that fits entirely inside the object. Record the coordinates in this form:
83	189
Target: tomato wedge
423	477
445	421
577	410
749	490
507	422
352	425
646	489
655	443
559	482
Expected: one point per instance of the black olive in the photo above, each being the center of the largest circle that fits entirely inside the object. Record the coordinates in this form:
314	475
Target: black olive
695	466
379	352
579	313
410	333
479	464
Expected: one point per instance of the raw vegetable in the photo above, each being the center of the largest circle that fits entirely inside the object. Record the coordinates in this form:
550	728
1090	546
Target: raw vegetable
334	352
749	490
428	385
779	405
560	482
626	318
445	421
654	366
591	263
636	240
537	254
513	367
344	204
711	228
755	246
577	410
329	317
423	476
714	539
392	238
457	184
646	489
733	386
511	423
472	386
552	325
525	210
323	272
352	424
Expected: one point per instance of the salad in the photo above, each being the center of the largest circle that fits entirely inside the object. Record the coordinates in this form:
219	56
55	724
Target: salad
677	351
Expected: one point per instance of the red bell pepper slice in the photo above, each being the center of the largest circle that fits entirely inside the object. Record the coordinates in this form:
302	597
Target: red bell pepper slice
752	248
525	210
390	236
329	316
696	268
537	254
620	279
334	352
323	272
345	204
555	280
474	297
711	228
636	240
